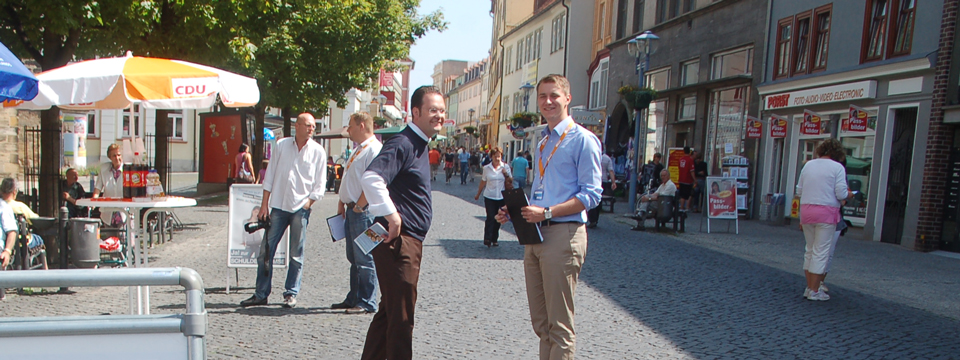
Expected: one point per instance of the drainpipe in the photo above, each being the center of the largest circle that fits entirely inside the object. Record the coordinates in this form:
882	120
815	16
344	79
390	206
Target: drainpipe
566	49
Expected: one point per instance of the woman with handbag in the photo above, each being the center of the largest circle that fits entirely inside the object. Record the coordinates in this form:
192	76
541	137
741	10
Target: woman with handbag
244	166
496	178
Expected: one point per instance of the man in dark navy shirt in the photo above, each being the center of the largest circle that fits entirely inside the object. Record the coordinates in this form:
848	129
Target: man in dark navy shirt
397	187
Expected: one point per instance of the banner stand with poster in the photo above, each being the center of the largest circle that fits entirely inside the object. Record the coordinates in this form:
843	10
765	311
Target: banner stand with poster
243	248
722	200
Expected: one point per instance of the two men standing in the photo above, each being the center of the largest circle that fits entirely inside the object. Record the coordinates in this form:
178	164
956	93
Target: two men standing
353	207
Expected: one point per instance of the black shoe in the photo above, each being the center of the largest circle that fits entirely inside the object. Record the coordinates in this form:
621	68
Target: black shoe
253	301
496	243
341	305
358	310
486	242
591	225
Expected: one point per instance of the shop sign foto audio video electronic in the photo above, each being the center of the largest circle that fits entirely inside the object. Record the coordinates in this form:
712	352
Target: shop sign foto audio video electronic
824	95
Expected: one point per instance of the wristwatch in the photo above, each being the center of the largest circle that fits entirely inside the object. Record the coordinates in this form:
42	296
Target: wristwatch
547	214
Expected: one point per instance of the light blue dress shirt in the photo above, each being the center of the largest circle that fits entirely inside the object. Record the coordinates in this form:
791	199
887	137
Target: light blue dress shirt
574	170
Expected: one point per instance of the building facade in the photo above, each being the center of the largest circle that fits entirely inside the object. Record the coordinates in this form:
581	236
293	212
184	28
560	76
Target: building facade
866	80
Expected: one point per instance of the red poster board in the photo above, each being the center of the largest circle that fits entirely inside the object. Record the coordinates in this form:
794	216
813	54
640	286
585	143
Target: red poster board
673	163
811	123
857	120
754	128
722	197
220	138
778	127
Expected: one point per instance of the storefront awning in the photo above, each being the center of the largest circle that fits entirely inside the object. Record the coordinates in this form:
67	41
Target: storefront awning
718	83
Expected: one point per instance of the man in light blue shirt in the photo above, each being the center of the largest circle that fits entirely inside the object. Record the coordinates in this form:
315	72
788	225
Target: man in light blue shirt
464	158
566	183
520	166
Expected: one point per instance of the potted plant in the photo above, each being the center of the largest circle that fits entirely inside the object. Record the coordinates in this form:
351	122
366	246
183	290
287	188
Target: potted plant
469	129
637	98
379	122
524	119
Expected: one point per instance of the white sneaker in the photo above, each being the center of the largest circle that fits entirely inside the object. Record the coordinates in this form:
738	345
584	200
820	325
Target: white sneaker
823	287
818	296
806	292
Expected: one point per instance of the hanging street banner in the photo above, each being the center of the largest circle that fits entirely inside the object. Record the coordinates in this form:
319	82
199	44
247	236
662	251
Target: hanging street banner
811	124
244	247
722	197
778	126
754	128
857	120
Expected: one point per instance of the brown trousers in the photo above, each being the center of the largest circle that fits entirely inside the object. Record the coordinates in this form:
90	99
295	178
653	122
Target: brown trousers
398	271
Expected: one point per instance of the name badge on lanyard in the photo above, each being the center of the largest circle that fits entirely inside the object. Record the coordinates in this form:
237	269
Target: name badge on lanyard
538	195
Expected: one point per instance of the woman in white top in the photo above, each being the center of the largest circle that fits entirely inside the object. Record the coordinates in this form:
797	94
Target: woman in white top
491	184
822	186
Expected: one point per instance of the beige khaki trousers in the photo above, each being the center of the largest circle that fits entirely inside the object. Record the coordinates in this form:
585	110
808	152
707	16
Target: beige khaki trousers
551	270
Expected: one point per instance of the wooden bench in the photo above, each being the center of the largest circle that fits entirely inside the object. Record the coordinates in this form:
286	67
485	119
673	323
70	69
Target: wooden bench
678	218
607	200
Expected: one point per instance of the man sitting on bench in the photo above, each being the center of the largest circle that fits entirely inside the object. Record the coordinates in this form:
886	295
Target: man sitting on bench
645	210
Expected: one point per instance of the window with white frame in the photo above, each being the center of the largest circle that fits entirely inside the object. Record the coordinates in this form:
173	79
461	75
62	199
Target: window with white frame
175	124
516	102
538	44
505	107
558	31
509	57
658	79
131	122
731	63
688	108
598	85
519	63
690	72
92	126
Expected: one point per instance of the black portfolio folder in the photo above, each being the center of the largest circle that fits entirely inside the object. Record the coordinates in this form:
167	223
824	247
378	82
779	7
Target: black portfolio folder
527	233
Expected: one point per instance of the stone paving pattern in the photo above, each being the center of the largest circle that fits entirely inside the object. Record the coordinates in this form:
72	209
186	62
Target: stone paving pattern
641	295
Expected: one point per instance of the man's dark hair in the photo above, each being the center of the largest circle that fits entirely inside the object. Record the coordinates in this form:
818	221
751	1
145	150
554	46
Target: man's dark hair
686	150
416	101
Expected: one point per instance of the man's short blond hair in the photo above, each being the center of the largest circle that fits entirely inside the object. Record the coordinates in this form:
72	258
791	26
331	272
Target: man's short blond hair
113	147
362	117
560	80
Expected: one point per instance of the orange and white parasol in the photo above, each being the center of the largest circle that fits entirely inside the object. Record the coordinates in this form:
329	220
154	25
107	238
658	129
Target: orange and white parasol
116	83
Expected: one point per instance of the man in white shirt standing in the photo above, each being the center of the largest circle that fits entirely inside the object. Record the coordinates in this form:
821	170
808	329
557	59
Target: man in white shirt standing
353	207
294	180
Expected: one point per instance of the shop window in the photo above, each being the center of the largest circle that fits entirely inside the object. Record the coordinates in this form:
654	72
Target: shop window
784	44
688	108
860	149
689	72
821	38
731	63
727	118
637	16
801	44
658	80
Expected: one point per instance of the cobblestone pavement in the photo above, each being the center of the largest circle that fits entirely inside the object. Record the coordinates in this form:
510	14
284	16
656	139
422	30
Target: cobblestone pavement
641	295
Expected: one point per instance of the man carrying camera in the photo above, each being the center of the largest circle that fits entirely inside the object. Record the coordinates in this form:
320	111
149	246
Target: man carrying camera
292	183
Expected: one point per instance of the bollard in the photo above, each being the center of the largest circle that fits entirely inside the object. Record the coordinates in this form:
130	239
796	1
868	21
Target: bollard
62	236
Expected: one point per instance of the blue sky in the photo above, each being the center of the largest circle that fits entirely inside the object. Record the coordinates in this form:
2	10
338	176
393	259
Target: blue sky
469	27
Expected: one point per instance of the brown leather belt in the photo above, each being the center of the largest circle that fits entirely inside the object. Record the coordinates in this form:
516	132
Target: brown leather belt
551	222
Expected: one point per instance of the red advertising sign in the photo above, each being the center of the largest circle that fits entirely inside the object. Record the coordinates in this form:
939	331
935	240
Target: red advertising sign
386	78
811	123
722	197
778	127
857	120
754	128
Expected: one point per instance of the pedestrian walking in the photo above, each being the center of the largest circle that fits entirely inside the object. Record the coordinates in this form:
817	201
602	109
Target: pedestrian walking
434	163
520	167
397	187
686	178
464	158
821	187
450	163
292	183
608	181
353	207
566	183
495	176
700	170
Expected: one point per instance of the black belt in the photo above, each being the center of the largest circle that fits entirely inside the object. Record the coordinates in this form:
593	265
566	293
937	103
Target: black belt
350	205
552	222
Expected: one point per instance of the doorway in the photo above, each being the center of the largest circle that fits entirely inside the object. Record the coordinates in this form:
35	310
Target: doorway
898	177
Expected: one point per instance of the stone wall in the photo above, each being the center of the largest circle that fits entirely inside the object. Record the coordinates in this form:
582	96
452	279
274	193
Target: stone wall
11	139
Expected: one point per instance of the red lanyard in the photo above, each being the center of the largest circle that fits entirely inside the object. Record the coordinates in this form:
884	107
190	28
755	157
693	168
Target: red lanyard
543	167
354	157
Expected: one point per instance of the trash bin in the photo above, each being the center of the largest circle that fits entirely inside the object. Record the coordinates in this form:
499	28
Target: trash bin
85	242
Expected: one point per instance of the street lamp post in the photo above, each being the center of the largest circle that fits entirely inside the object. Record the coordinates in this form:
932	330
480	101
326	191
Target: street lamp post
382	100
640	47
475	129
527	87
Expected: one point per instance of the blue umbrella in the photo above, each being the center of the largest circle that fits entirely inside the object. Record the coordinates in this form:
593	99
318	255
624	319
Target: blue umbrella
268	134
16	81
